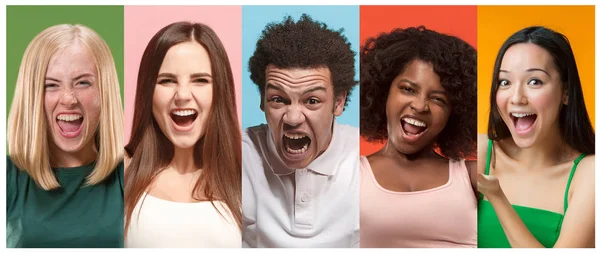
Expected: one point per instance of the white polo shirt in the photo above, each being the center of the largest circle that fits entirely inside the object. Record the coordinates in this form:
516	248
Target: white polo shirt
316	206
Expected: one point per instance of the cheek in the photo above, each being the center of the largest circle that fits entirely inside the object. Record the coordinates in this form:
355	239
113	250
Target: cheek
320	122
90	98
274	115
544	100
204	97
440	116
160	100
50	102
502	97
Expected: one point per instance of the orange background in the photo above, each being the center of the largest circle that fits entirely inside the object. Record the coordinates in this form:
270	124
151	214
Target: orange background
497	23
460	21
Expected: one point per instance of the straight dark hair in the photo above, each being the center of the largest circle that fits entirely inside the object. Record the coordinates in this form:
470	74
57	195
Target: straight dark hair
218	152
574	122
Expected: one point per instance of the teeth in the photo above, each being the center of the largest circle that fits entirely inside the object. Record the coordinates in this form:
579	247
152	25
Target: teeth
68	117
187	112
294	136
415	122
301	150
519	115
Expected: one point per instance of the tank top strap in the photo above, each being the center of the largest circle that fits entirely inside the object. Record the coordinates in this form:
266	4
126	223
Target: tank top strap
575	163
459	172
488	157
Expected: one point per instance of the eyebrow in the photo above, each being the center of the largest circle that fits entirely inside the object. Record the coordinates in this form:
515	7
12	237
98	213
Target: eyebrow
417	85
193	75
530	70
76	78
312	89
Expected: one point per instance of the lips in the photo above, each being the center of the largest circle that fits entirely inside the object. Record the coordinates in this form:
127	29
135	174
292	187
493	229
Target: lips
523	122
183	117
69	124
413	126
296	143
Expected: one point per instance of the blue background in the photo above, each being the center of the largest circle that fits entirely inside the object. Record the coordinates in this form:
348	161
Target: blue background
254	20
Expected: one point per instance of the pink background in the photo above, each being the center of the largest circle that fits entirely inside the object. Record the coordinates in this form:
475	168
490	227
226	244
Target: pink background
142	22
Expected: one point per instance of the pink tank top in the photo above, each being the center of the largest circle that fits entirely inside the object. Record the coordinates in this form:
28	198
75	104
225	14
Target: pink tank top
442	217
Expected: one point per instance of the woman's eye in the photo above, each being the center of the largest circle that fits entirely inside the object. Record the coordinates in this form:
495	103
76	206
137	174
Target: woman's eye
202	80
438	99
166	81
535	82
503	82
407	89
50	86
84	83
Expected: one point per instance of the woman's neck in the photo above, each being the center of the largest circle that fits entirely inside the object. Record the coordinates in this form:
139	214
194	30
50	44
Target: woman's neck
389	150
183	160
547	151
62	159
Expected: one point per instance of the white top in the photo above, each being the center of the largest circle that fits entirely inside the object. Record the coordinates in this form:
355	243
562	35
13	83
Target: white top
317	206
168	224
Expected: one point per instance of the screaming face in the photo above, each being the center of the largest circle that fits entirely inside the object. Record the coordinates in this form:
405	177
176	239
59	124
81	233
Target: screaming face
300	107
72	101
417	108
530	94
183	94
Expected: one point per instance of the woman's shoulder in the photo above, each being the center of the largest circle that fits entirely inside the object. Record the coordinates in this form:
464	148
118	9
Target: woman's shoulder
585	169
13	172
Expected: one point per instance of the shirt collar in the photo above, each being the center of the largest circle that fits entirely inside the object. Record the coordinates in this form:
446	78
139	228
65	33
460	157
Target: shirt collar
325	164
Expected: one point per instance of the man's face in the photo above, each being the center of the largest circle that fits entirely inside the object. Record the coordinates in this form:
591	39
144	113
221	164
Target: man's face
299	107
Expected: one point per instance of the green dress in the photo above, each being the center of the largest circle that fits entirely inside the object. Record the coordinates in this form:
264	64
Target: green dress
72	216
544	225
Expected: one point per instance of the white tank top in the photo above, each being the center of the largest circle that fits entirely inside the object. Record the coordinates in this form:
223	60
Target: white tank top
168	224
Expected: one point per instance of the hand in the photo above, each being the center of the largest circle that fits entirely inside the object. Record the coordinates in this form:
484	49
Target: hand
488	185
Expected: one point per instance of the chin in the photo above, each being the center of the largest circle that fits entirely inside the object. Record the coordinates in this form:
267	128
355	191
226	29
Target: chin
523	143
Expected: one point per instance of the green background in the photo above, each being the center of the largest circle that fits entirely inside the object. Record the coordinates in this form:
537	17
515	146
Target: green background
23	23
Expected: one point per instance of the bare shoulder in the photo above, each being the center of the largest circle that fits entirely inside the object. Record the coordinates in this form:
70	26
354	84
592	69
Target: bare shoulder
584	174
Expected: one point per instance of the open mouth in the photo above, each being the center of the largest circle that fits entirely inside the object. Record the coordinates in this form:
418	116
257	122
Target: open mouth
69	124
523	121
296	143
184	117
413	127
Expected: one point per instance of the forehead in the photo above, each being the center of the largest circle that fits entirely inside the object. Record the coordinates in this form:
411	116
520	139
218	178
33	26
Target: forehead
186	57
71	60
523	56
422	73
299	78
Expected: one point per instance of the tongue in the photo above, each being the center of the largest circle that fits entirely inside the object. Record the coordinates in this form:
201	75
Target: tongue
183	120
411	129
523	123
70	126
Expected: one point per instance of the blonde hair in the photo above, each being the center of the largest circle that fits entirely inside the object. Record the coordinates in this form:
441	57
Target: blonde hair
27	127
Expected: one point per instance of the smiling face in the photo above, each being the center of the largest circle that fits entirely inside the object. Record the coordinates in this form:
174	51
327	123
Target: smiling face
417	108
72	100
183	94
530	93
299	107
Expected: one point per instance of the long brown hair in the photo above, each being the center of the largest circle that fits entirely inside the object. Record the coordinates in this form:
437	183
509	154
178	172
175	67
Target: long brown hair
218	152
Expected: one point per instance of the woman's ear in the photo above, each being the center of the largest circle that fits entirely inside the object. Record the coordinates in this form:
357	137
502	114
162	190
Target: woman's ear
565	98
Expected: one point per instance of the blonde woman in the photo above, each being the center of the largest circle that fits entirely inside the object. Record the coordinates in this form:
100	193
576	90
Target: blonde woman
64	169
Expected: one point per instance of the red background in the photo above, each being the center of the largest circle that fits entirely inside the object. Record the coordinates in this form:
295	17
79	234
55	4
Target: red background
459	21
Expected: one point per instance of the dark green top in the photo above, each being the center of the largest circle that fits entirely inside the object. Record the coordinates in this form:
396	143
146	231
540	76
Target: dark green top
544	225
72	216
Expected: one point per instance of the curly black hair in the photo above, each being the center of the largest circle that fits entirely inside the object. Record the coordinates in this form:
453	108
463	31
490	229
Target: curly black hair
304	44
386	56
